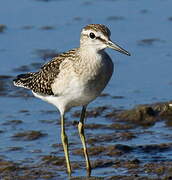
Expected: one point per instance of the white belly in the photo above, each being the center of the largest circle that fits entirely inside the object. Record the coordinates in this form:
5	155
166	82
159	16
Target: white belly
79	88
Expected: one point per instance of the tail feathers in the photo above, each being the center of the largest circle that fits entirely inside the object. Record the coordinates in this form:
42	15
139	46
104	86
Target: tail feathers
23	80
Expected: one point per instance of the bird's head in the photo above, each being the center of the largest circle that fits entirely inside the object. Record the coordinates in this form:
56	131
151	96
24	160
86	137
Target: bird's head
97	36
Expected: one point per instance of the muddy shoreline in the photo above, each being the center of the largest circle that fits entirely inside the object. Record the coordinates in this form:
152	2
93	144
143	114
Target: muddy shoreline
117	156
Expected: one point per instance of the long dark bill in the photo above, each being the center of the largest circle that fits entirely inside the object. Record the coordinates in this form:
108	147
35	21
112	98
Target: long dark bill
116	47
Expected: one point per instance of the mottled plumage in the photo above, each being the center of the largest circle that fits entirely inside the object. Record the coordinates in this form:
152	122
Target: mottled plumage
75	78
41	81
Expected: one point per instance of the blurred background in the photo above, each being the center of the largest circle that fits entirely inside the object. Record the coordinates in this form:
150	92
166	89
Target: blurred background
33	31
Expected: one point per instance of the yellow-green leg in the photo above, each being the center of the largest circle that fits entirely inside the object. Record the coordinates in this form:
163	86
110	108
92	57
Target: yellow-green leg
65	144
82	136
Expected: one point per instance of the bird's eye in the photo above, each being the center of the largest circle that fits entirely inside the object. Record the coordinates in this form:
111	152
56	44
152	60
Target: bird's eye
92	35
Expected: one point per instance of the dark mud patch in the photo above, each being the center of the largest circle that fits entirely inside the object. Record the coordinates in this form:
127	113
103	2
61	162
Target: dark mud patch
164	110
28	135
118	97
3	27
170	18
15	148
2	131
144	11
12	122
149	41
24	111
155	148
115	18
46	28
104	95
77	18
143	115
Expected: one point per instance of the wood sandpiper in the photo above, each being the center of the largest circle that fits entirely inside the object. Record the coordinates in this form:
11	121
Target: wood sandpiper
75	78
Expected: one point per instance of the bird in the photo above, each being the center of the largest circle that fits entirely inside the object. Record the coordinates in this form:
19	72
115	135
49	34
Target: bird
75	78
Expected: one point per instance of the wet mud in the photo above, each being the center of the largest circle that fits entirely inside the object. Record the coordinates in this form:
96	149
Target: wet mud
3	27
150	41
28	135
107	150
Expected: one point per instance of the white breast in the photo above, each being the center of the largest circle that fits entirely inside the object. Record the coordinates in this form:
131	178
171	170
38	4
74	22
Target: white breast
78	83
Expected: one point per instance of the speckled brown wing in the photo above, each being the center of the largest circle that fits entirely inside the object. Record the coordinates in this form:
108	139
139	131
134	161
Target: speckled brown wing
40	82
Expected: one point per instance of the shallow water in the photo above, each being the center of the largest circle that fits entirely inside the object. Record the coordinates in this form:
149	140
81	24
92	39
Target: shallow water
33	26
